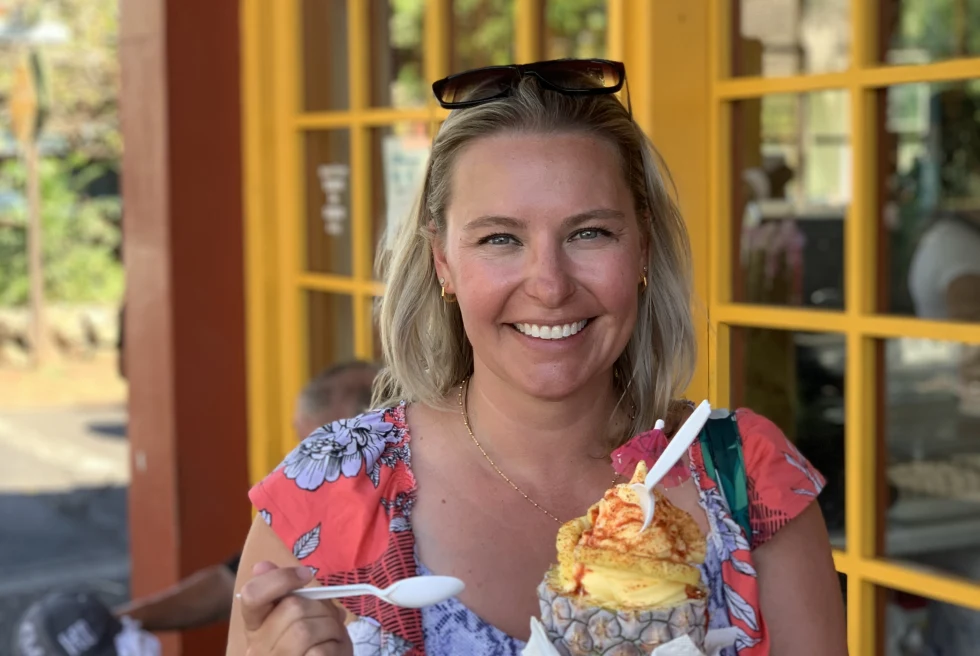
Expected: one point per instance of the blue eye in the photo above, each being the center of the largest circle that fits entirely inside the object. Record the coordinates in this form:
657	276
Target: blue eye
499	240
588	234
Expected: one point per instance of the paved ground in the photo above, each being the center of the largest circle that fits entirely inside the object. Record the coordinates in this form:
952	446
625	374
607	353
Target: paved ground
63	479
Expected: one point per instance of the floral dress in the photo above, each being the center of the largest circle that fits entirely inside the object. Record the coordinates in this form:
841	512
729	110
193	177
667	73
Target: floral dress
342	501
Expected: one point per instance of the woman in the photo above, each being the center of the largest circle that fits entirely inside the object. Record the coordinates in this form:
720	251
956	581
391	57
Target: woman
536	315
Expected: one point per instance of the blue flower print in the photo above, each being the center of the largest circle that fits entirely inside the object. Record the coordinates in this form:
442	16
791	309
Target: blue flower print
345	447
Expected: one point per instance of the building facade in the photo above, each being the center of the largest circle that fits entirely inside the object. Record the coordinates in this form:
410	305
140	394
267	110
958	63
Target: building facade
827	161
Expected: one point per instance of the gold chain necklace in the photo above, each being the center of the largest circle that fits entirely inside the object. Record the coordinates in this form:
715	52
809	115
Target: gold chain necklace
461	399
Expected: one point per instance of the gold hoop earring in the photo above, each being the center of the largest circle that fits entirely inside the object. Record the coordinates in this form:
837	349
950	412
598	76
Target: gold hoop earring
448	298
643	280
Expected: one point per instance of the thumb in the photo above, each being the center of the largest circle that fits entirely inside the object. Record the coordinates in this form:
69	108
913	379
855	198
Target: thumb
262	567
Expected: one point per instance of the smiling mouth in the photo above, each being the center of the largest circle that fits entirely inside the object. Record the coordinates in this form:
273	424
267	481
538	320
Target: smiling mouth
551	332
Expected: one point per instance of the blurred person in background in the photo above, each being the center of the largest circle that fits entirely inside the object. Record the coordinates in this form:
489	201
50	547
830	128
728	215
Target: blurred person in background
79	624
205	596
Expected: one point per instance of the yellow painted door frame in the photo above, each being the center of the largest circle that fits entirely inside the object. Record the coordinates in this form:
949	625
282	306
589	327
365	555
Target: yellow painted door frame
868	571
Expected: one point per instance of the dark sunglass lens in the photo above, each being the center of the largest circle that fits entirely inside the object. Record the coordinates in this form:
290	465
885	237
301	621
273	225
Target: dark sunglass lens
475	86
581	75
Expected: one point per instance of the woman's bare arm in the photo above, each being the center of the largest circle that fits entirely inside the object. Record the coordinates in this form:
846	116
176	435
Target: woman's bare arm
262	544
799	590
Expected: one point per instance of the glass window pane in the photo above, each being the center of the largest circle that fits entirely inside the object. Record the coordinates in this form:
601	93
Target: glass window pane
797	380
921	31
482	33
916	626
791	188
396	54
932	433
775	38
930	217
399	156
575	30
323	28
328	220
329	330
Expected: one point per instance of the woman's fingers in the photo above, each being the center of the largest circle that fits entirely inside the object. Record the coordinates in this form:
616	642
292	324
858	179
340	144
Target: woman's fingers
259	596
306	635
278	623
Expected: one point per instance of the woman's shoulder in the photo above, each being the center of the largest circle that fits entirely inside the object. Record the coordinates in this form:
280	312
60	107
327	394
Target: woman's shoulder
780	481
761	438
768	451
347	449
348	476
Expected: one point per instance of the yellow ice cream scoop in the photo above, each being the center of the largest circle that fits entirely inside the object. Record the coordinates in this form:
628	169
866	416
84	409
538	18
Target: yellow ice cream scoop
607	560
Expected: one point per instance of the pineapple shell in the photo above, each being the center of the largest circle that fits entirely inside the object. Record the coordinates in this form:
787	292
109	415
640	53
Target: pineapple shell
579	630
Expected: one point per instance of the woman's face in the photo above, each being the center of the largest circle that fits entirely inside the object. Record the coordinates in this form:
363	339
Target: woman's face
544	253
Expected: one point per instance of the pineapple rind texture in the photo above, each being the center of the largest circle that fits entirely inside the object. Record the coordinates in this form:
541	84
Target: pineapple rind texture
578	630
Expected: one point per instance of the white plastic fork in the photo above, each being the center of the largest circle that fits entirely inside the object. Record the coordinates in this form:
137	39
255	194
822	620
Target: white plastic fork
678	446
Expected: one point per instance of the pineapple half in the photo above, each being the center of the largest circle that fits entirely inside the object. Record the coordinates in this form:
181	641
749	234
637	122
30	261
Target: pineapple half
618	592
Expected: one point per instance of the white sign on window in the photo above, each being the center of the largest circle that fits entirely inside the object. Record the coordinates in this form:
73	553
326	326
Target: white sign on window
333	182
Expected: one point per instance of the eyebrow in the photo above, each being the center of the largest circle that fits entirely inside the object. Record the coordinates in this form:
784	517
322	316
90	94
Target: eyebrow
509	222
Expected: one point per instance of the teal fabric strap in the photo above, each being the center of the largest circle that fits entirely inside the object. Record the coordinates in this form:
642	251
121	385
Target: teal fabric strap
721	447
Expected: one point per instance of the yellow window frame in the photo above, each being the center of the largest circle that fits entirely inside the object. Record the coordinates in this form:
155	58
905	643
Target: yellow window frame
866	569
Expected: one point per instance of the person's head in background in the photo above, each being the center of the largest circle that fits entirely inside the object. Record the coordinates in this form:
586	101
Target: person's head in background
343	390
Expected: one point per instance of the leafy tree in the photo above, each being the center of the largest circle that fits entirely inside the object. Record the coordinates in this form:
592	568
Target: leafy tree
82	75
484	34
81	236
932	26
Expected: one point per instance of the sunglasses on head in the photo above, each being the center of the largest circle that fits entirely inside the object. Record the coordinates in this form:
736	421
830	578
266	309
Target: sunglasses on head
574	77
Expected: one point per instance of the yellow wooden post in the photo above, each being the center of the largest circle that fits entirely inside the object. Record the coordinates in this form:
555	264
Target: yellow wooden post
360	71
638	57
861	387
292	348
616	29
528	28
719	264
261	306
678	92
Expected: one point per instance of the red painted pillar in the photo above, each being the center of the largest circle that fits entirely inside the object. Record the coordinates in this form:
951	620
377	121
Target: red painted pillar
185	319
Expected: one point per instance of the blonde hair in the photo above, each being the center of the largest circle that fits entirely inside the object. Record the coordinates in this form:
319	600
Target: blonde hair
426	351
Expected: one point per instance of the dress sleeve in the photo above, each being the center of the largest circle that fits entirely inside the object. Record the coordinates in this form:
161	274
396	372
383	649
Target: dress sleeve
331	499
288	510
781	482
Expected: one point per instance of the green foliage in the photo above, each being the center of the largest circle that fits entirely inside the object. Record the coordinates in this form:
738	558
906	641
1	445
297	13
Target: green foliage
82	75
931	25
484	33
576	28
80	236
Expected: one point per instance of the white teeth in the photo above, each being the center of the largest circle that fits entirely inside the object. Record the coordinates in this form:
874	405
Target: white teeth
550	332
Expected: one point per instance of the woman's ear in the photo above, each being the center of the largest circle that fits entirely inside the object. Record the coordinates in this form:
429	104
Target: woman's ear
645	239
439	259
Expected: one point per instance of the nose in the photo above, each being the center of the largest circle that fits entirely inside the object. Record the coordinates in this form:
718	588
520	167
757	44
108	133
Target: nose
548	277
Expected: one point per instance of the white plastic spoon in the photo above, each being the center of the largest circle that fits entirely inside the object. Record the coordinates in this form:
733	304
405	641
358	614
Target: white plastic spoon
413	592
678	446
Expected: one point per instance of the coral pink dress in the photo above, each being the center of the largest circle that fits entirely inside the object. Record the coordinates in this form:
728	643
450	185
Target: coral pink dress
342	501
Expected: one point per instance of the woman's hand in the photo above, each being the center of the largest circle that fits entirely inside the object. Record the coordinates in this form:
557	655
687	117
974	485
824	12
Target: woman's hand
280	624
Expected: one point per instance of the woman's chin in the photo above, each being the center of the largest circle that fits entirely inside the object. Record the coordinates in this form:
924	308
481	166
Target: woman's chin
553	386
